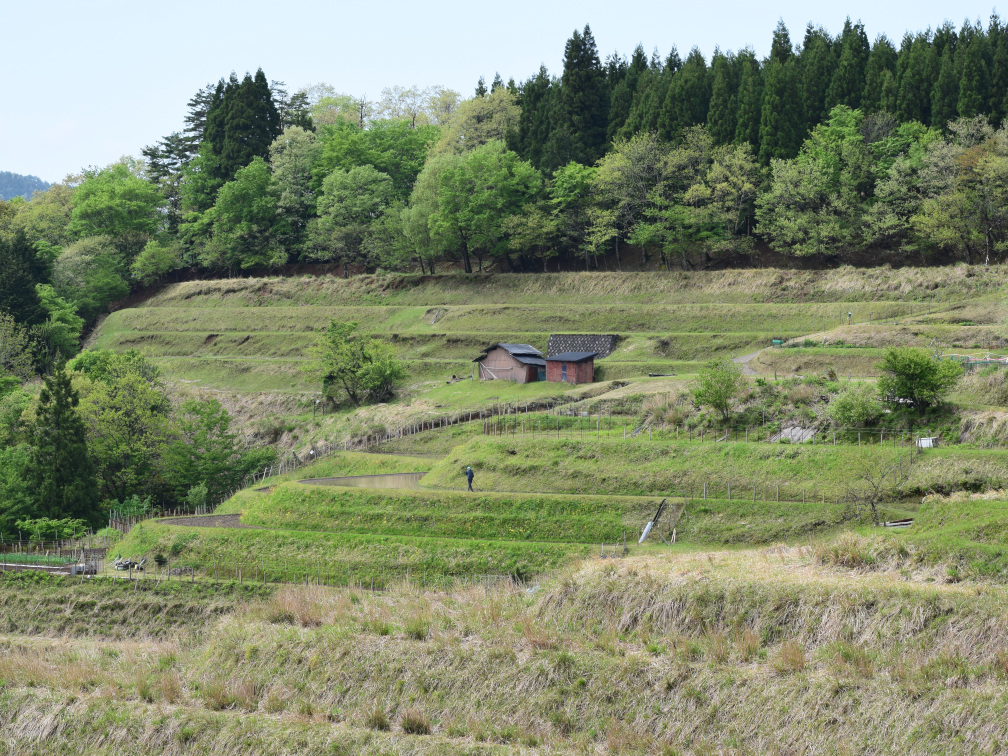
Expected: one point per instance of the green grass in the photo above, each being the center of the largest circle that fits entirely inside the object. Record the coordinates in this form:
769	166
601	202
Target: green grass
342	557
542	318
358	463
856	362
662	467
846	284
563	668
440	514
970	535
41	559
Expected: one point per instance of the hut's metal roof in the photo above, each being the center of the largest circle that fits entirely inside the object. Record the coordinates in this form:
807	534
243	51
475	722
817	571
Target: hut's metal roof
527	360
572	357
518	351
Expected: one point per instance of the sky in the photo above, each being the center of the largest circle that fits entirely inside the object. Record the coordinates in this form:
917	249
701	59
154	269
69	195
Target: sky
90	82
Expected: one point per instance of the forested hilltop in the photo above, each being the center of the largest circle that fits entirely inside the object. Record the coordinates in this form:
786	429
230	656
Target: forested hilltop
15	185
834	149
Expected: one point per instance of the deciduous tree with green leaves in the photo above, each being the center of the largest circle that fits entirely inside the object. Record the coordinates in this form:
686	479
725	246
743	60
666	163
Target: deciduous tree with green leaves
717	386
358	368
912	376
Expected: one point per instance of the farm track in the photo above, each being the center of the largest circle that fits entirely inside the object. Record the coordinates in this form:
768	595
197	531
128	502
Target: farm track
744	361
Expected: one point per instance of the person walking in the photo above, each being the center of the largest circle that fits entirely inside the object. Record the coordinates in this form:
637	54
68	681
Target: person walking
469	477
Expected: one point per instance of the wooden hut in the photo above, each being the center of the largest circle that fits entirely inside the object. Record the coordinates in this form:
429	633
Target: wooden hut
571	367
521	363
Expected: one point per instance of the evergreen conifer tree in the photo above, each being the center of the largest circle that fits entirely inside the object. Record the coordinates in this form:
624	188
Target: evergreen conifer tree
881	60
583	111
623	93
998	39
974	83
688	97
780	48
945	94
722	116
781	119
481	89
21	270
536	100
750	100
62	472
816	62
849	78
917	65
887	99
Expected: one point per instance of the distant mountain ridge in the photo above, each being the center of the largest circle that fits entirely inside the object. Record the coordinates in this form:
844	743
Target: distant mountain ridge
15	185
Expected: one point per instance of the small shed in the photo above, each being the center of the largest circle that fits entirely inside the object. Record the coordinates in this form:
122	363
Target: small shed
927	442
571	367
522	363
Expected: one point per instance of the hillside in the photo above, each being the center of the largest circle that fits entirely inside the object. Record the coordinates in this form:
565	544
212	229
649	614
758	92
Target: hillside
248	340
317	609
15	185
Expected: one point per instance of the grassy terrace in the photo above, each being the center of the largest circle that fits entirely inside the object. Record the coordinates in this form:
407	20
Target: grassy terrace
753	650
661	466
253	335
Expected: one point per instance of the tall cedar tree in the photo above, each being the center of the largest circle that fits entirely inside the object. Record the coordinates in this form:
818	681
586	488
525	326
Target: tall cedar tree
536	100
623	93
816	64
750	100
722	113
881	61
22	269
782	127
998	39
945	94
241	123
780	48
62	473
688	97
848	82
917	66
650	95
975	81
584	100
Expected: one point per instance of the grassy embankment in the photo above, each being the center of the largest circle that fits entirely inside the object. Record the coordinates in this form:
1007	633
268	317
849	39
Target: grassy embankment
663	466
247	339
744	651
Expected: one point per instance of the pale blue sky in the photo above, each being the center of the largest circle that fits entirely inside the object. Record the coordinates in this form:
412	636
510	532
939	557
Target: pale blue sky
88	82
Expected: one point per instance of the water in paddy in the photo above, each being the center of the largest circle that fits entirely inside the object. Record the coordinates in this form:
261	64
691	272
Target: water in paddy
391	480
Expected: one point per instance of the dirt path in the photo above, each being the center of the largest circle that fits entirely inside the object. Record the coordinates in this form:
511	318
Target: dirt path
744	362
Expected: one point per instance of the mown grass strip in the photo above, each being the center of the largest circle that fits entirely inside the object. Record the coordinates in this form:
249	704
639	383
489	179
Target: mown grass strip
340	557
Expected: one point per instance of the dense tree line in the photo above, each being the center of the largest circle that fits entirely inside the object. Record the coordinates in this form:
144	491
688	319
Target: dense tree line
833	147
